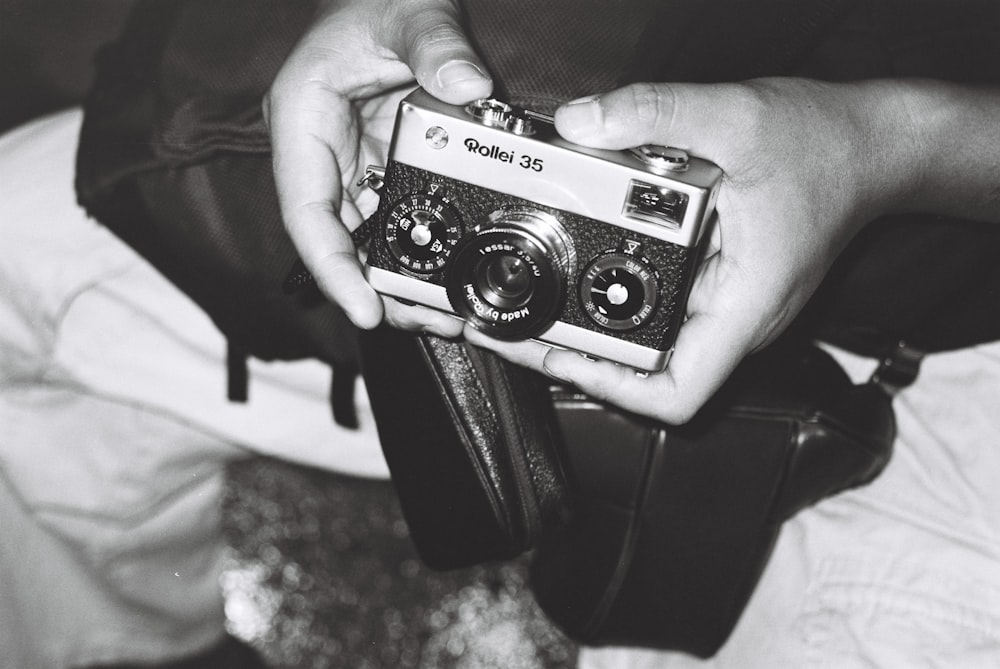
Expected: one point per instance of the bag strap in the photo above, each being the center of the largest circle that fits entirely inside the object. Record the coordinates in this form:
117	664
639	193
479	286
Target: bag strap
470	445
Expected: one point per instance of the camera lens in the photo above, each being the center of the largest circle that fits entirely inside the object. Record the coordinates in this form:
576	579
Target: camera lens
508	277
504	280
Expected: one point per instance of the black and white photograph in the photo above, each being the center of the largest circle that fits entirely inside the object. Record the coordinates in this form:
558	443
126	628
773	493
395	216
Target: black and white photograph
499	334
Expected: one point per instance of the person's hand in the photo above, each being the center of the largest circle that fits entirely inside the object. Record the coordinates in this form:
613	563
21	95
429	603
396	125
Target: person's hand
330	113
800	180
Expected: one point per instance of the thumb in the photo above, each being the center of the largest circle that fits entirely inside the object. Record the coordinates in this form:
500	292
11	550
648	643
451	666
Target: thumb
694	117
429	38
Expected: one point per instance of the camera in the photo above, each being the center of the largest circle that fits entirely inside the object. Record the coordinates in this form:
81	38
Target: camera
486	213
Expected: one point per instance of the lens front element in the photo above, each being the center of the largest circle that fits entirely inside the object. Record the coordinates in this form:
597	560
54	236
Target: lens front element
505	280
508	277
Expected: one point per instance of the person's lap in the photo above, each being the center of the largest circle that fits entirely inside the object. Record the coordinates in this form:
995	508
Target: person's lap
115	431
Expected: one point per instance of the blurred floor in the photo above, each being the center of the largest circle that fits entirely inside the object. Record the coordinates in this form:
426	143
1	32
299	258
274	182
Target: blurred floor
323	574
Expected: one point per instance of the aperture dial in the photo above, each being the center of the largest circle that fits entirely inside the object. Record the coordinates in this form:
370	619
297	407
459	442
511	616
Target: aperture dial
619	289
421	231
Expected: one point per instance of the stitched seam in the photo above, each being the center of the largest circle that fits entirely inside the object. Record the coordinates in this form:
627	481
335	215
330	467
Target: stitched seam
857	596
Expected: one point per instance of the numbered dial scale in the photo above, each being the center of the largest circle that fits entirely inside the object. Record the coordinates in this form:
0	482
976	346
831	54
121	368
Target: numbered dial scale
421	231
619	289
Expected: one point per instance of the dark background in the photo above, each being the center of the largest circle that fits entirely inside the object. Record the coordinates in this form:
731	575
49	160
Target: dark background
322	572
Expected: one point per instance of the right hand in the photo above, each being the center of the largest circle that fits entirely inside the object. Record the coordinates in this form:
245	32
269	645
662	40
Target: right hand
804	171
330	113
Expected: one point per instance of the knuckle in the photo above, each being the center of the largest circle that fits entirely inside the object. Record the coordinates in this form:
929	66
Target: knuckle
302	218
754	103
265	103
663	400
398	320
680	413
265	110
604	382
652	105
672	412
337	271
434	35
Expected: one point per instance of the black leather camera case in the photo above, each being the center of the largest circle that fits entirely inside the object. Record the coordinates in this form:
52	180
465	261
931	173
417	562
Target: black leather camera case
673	525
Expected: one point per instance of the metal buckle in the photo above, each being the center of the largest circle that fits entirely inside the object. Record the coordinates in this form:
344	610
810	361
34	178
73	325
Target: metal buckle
898	368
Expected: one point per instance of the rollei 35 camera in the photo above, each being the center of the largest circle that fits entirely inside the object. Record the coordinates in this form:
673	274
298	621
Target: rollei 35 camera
485	212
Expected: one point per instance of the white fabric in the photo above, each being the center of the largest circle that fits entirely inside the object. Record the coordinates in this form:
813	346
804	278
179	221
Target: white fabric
115	428
904	573
81	307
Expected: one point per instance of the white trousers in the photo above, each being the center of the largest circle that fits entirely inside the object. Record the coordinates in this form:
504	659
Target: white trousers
115	429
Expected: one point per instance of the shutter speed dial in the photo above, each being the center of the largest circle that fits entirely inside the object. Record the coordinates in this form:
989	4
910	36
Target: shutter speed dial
421	231
619	290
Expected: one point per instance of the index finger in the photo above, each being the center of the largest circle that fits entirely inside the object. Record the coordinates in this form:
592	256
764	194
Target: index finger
308	125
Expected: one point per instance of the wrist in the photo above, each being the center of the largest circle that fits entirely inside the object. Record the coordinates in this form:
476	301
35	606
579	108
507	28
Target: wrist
932	148
891	148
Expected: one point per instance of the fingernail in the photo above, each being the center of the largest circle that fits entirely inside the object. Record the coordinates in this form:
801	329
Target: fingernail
581	117
551	368
456	72
438	331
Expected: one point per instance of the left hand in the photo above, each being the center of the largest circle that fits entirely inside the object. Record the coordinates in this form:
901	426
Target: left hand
330	112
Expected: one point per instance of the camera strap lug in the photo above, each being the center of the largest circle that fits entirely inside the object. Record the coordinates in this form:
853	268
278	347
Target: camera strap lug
374	178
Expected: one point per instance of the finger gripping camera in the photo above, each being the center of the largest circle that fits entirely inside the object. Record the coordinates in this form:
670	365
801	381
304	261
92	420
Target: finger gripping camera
485	212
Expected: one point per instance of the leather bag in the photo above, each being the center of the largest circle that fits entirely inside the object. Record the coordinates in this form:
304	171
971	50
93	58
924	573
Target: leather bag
674	524
642	534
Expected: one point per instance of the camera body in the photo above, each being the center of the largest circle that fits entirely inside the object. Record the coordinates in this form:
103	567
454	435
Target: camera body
486	213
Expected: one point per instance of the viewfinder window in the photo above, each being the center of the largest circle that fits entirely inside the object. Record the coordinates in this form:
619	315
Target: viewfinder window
655	204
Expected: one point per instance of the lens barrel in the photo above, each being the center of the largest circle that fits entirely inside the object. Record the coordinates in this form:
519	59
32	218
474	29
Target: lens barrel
508	276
